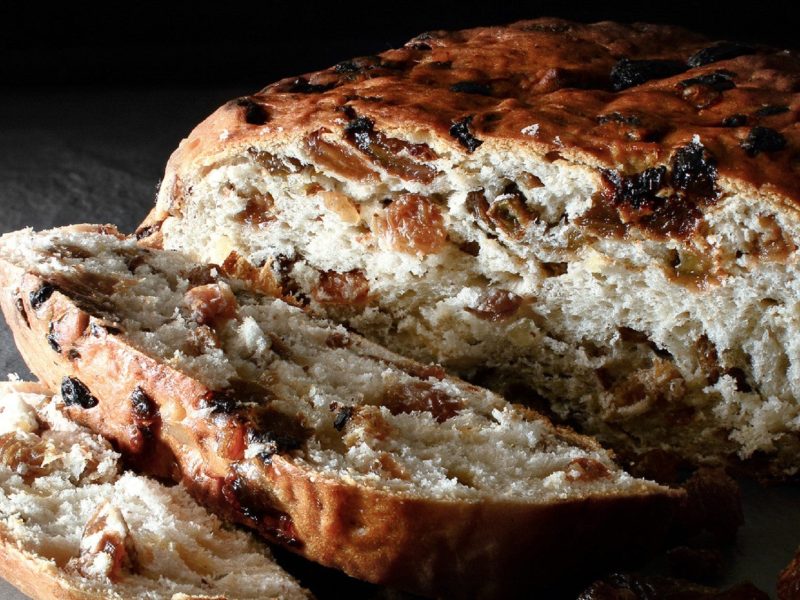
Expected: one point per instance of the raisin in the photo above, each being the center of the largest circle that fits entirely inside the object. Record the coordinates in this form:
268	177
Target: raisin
496	304
509	212
628	73
719	81
337	158
421	396
638	188
257	211
771	109
146	232
347	66
461	131
694	171
144	409
73	391
20	305
41	295
736	120
415	225
282	432
301	85
211	304
342	417
472	87
617	117
254	113
586	469
718	52
338	340
221	401
763	139
347	289
52	338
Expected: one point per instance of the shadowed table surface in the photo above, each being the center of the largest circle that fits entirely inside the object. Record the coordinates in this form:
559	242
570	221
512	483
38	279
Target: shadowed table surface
95	156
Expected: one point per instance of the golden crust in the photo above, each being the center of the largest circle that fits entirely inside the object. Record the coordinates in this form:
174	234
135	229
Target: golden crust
480	549
543	87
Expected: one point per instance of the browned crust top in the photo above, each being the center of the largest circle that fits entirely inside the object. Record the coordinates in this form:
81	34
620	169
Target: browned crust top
618	96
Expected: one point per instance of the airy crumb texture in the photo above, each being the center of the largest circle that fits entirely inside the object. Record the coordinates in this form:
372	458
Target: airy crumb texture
75	519
329	444
627	251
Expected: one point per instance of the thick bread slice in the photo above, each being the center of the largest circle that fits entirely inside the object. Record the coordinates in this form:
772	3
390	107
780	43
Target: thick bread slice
344	452
73	526
606	214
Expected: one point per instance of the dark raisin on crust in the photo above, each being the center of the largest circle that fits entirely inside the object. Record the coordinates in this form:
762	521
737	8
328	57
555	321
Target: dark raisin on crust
73	391
694	171
718	52
720	80
617	117
52	338
472	87
143	407
301	85
771	109
254	113
628	73
736	120
638	188
41	295
461	131
342	417
763	139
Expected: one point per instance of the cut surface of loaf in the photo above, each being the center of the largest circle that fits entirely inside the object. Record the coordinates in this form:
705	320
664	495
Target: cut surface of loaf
74	525
321	440
605	215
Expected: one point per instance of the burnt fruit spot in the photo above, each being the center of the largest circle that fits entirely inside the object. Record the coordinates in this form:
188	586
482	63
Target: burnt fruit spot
718	52
771	109
719	81
461	131
41	295
763	139
254	113
627	73
472	87
73	391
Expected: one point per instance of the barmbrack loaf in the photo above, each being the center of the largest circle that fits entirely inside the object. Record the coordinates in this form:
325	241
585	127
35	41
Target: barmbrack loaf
322	441
604	214
74	526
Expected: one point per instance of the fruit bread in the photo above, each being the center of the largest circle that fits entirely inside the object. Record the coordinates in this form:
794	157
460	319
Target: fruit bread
74	526
600	216
327	443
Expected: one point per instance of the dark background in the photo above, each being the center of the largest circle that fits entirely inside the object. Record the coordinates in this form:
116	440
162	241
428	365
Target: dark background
251	42
94	97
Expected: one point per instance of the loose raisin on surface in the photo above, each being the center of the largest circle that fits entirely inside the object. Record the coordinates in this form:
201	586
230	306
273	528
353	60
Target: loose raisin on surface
461	131
41	295
342	417
763	139
415	225
73	391
771	109
472	87
736	120
628	73
718	52
254	113
496	304
694	171
718	80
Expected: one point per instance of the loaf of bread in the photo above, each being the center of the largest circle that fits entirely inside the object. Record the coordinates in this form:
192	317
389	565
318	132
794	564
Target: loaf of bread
74	526
322	441
600	216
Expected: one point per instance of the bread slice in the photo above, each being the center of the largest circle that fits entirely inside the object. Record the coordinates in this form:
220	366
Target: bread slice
322	441
605	214
73	525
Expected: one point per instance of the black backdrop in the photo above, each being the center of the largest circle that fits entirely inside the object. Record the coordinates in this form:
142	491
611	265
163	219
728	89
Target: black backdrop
249	43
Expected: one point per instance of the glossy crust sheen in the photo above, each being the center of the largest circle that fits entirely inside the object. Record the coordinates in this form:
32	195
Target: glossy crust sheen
370	534
542	87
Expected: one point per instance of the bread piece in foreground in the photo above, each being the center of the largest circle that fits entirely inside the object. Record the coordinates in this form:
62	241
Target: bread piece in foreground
74	526
604	214
342	451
